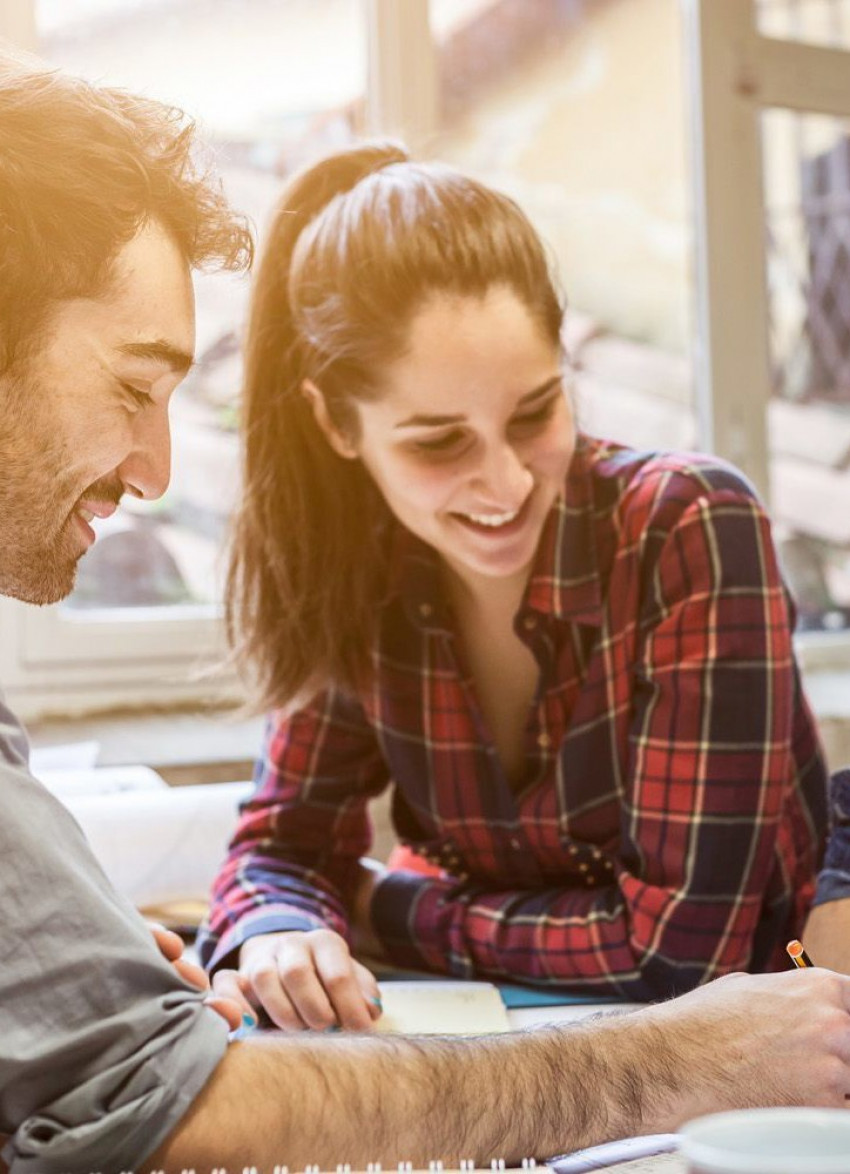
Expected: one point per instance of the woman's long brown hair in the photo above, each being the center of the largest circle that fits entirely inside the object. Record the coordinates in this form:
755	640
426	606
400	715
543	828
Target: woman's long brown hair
358	244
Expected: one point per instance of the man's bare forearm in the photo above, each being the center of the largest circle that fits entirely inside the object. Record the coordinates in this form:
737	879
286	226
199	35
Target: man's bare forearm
776	1039
299	1100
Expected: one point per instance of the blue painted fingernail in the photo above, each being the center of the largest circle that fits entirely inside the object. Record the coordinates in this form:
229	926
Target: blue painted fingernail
333	1027
376	1002
249	1024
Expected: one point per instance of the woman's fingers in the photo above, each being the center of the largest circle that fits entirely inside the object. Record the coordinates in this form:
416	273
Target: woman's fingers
369	988
337	971
308	980
268	964
230	986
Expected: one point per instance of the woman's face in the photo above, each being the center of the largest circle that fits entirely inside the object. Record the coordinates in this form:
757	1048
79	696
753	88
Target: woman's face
473	433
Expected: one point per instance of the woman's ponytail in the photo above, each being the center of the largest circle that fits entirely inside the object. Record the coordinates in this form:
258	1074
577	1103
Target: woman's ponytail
303	555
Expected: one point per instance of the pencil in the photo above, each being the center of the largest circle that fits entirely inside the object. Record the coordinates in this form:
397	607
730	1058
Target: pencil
798	955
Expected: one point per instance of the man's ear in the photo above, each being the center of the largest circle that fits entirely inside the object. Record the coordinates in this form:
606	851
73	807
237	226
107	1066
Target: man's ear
339	443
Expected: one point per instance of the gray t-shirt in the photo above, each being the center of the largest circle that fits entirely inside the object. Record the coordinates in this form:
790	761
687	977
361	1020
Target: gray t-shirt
102	1047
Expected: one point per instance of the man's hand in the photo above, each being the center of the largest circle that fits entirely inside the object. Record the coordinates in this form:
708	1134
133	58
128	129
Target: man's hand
171	947
751	1040
303	980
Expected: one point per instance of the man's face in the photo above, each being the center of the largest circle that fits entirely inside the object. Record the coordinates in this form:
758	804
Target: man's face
86	418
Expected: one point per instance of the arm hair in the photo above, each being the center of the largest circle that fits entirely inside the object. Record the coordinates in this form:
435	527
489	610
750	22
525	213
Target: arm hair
284	1100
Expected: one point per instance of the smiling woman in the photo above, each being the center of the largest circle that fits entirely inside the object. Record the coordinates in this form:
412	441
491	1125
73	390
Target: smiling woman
571	660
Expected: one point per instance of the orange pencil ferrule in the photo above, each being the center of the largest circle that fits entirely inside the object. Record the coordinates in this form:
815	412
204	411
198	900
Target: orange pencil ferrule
798	955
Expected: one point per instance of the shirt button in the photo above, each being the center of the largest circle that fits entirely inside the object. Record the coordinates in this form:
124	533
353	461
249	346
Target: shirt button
544	741
425	610
596	854
529	623
516	844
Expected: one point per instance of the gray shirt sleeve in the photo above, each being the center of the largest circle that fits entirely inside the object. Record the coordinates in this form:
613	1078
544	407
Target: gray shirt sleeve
103	1047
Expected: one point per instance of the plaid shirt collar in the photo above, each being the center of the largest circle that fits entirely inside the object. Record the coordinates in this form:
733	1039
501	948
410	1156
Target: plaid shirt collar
566	579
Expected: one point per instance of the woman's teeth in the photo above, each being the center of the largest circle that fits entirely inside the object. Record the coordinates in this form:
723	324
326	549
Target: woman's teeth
493	520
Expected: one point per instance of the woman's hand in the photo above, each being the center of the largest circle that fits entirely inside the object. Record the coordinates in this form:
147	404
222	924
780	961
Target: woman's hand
171	947
304	980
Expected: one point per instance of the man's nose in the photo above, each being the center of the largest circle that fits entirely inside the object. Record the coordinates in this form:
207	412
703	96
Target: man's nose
146	470
503	477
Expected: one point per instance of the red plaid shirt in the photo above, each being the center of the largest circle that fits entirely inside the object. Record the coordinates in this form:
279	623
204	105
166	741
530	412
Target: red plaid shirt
672	816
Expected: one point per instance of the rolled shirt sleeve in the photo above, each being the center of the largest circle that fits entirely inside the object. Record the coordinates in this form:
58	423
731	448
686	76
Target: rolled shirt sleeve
103	1047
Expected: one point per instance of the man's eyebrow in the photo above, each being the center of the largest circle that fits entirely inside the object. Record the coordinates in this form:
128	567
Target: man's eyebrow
426	421
161	351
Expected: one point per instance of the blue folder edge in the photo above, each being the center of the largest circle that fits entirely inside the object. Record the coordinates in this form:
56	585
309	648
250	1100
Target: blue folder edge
514	996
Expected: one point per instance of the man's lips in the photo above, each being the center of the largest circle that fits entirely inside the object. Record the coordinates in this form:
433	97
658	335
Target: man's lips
95	509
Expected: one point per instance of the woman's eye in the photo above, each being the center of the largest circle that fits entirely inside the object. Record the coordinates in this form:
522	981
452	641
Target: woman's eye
140	398
440	444
538	416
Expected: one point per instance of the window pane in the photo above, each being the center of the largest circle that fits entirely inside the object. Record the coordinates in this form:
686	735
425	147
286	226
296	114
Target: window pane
577	110
272	83
807	191
817	22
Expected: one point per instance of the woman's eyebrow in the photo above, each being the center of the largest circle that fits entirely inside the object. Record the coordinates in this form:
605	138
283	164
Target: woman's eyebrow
422	420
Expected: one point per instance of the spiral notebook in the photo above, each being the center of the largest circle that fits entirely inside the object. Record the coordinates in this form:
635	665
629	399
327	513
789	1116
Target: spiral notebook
601	1158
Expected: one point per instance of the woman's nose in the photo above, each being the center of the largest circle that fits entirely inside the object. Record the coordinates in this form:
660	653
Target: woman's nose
502	478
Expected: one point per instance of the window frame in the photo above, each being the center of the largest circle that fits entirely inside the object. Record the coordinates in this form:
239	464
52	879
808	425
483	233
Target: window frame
734	73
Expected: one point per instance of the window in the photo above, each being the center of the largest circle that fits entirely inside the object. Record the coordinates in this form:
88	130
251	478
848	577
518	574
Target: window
771	103
807	200
814	22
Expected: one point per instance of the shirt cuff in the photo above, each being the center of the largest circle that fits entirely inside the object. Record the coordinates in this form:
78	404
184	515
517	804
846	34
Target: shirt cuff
414	918
223	952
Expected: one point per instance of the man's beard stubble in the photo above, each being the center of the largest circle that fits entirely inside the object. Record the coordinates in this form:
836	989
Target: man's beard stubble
37	563
39	549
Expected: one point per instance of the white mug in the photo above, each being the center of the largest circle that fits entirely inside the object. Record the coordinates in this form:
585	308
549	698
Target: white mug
768	1141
